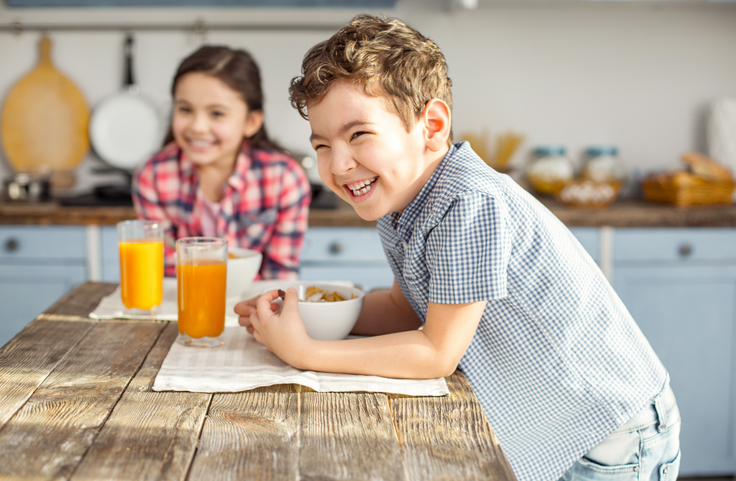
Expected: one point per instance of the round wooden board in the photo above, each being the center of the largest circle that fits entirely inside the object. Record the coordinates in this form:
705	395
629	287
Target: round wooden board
44	120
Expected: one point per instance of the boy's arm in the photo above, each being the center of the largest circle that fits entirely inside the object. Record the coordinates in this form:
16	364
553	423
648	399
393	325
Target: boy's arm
385	312
431	352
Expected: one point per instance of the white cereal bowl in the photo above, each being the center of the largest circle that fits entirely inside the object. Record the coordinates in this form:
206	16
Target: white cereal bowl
241	270
328	321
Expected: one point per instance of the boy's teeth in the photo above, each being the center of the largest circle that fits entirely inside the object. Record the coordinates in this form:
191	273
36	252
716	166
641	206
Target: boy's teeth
362	187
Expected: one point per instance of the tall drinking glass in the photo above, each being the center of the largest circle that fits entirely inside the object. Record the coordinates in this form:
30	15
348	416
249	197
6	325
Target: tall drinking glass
201	273
141	245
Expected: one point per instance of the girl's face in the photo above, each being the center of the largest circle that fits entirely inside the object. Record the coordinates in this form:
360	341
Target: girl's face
210	120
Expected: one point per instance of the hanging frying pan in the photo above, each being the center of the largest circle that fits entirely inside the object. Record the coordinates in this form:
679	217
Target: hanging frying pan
126	128
44	120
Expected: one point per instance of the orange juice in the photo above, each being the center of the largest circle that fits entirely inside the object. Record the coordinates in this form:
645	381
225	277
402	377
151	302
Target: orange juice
141	273
201	298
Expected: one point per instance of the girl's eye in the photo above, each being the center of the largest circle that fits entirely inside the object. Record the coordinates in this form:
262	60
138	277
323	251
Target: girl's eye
319	146
184	110
217	113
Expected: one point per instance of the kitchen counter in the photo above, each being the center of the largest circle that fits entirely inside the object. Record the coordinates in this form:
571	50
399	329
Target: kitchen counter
623	213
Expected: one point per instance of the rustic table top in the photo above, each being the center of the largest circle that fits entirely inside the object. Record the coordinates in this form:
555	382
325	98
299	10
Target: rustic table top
76	403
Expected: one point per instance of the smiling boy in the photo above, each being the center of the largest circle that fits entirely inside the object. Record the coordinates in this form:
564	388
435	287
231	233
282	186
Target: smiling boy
503	290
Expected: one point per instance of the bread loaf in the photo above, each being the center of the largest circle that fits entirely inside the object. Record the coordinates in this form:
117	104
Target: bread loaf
706	168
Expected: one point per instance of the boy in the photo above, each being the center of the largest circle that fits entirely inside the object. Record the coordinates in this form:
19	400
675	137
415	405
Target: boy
503	289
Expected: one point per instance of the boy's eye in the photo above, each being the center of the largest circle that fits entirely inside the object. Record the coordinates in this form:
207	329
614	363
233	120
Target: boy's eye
217	113
319	146
184	109
357	134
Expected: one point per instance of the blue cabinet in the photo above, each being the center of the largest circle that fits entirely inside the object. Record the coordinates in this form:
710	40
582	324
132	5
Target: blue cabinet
345	254
590	239
38	265
109	255
680	287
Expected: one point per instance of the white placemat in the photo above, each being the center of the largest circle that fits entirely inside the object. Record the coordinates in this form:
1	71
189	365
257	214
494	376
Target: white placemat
111	306
243	364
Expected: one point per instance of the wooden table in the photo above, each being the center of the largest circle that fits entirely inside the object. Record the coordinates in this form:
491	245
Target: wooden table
76	403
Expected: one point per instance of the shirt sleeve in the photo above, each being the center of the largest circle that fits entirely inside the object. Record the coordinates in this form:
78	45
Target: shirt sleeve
149	206
468	252
281	254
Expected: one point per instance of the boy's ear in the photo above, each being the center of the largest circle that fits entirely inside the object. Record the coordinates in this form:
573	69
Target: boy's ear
253	123
436	118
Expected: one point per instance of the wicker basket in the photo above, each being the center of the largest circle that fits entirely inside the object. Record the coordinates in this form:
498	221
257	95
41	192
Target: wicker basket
695	192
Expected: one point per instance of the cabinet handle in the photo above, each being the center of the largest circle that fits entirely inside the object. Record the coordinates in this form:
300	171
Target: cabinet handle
685	250
335	248
11	245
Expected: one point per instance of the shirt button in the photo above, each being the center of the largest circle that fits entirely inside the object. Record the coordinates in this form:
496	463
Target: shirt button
664	469
636	468
404	245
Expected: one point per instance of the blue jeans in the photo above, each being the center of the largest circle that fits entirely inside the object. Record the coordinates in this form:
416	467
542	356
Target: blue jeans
646	448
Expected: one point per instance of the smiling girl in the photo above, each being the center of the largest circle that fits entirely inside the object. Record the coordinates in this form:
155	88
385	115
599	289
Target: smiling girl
219	174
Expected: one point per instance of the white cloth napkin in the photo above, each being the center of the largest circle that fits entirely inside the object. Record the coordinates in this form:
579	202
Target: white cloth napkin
242	364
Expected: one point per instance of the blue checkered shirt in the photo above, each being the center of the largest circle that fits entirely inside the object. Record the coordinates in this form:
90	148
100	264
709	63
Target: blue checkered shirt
557	362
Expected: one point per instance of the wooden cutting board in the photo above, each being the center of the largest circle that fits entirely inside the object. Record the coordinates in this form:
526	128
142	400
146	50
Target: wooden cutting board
44	120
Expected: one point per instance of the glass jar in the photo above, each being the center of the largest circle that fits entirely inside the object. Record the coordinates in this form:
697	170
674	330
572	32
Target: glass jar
602	164
550	169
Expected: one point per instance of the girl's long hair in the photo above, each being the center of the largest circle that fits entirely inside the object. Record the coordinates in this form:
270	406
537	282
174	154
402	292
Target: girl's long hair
238	70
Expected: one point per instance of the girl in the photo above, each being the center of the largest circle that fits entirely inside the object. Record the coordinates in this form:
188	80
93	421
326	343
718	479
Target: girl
219	174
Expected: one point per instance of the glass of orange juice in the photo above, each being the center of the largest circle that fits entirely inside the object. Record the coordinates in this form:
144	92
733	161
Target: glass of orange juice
201	273
141	245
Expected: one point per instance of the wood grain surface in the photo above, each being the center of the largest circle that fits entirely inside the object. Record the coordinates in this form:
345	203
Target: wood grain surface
76	402
348	436
149	435
52	431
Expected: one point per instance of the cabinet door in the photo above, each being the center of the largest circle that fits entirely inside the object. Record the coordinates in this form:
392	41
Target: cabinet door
590	238
680	287
38	264
28	290
365	277
110	262
345	254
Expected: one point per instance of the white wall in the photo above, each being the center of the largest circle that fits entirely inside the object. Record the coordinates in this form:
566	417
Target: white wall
639	75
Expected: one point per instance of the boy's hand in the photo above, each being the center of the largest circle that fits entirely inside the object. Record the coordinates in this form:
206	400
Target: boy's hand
283	334
244	309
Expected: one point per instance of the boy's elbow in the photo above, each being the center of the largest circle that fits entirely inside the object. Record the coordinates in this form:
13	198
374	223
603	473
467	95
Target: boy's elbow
442	368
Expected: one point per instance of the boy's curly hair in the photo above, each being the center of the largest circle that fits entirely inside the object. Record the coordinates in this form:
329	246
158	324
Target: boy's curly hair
385	56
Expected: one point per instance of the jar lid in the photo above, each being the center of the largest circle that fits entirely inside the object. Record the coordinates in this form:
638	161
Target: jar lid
550	150
595	150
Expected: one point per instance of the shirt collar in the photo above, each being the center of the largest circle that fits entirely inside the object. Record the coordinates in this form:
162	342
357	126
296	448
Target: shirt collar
405	221
242	164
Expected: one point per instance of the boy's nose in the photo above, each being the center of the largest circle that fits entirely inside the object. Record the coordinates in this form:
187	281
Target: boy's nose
342	161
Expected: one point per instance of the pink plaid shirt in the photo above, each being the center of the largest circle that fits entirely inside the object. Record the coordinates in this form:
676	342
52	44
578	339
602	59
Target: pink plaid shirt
264	206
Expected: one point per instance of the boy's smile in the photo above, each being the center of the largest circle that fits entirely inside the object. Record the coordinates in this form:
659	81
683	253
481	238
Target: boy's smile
365	154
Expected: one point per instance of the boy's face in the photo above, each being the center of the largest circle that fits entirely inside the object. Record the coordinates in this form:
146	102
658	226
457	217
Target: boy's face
364	153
